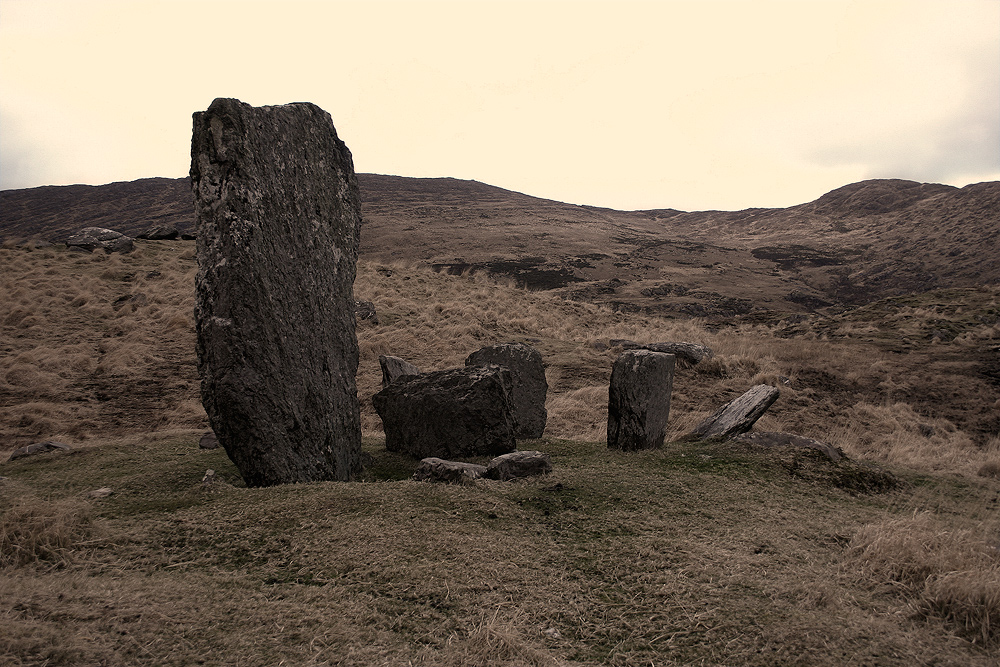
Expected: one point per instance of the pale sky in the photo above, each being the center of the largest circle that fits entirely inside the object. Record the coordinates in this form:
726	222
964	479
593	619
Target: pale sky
688	104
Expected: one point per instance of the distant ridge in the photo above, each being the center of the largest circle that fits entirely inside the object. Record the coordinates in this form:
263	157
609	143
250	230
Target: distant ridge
856	243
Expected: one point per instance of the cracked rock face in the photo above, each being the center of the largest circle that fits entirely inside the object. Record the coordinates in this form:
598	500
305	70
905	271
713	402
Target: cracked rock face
279	218
529	389
639	399
448	414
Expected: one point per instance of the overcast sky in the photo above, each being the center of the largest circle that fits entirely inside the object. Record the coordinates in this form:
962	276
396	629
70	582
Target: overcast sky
689	104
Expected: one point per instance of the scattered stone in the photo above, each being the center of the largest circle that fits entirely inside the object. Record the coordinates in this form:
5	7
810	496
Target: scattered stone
159	233
451	472
639	399
449	414
519	464
990	469
689	352
365	310
209	478
94	238
394	368
279	218
136	300
774	439
208	441
103	492
39	448
530	388
737	416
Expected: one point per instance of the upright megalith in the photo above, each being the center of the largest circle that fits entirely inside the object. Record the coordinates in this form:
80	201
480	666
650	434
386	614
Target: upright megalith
279	216
530	388
639	399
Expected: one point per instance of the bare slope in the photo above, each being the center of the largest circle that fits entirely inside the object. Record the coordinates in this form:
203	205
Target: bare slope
857	243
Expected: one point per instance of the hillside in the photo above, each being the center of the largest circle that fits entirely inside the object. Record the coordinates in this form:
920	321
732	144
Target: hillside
696	553
858	243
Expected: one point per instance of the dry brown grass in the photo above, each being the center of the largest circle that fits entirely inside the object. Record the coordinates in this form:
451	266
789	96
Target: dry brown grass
692	554
33	530
104	344
95	343
948	568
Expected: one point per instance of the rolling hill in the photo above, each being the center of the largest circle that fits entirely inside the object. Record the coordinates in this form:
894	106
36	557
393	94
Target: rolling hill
853	245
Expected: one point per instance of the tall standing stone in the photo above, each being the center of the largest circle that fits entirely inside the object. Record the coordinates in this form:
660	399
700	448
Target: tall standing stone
279	218
639	399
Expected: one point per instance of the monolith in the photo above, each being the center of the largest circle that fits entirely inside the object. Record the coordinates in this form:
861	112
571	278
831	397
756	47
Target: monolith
279	218
639	399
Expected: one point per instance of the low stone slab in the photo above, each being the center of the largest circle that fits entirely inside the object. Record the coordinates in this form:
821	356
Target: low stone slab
449	414
530	387
519	464
159	233
776	439
99	238
208	441
690	352
433	469
639	399
394	368
737	416
39	448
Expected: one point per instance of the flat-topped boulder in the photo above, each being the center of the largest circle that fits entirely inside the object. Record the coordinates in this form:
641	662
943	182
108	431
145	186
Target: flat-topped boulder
38	448
279	217
90	239
777	439
433	469
449	414
529	389
690	352
527	463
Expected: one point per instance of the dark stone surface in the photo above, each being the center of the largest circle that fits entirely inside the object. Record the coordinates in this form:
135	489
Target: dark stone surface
639	399
530	387
776	439
38	448
737	416
208	441
449	414
451	472
527	463
279	218
98	238
394	368
689	352
160	233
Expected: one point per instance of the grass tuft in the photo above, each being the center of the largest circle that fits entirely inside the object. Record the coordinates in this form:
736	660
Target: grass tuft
33	530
